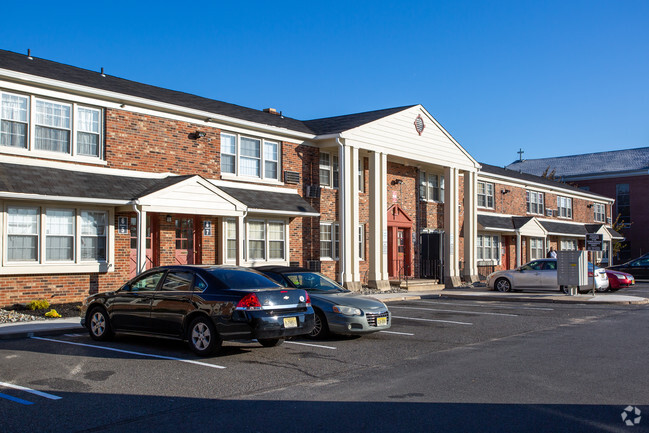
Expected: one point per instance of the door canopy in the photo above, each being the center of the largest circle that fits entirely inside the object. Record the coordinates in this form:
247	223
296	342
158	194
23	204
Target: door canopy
398	218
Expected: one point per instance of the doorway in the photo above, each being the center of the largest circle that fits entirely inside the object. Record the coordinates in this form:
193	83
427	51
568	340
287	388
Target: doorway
187	241
151	257
399	243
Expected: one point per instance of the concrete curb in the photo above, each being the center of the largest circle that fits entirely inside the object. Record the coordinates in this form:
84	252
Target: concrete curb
600	300
41	328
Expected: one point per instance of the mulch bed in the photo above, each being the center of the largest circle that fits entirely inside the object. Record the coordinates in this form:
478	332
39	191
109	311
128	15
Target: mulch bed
70	309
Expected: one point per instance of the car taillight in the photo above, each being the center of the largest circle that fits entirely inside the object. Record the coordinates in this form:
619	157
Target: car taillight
249	302
308	299
590	274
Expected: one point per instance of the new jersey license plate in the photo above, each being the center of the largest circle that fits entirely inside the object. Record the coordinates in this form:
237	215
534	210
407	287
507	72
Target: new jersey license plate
290	322
381	321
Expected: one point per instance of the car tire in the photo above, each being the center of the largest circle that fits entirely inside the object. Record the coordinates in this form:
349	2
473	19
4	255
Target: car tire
320	326
503	285
99	325
271	342
202	337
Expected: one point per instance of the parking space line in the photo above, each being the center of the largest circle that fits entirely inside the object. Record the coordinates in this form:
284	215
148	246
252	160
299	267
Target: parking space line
432	320
312	345
455	311
398	333
171	358
508	307
15	399
31	391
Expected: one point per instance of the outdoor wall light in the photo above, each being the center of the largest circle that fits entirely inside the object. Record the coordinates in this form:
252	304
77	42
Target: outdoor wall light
589	205
504	191
396	182
198	134
169	219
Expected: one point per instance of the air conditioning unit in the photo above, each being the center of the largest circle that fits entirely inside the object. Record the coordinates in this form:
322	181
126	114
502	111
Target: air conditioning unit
313	191
291	177
548	212
314	265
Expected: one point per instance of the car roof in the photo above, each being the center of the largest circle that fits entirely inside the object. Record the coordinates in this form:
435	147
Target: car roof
280	269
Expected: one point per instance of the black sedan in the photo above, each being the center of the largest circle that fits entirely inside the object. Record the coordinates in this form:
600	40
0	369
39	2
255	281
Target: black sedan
337	310
639	267
202	305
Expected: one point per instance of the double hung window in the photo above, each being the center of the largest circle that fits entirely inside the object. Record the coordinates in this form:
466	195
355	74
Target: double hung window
568	244
329	170
536	248
231	239
249	157
488	247
14	117
486	195
564	207
329	241
534	201
266	240
599	212
431	187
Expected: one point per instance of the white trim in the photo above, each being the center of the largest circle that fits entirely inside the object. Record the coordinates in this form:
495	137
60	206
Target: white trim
66	199
282	212
128	99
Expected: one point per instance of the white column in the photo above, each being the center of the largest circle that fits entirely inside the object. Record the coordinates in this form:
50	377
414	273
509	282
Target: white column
241	238
518	248
141	242
470	226
378	277
349	250
451	223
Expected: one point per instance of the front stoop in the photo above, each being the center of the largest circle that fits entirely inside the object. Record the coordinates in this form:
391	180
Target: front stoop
418	285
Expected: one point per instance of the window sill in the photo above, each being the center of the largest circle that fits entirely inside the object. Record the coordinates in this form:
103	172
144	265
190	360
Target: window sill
56	268
52	155
327	259
234	177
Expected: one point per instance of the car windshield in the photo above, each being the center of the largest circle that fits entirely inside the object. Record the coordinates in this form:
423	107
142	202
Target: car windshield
312	281
242	279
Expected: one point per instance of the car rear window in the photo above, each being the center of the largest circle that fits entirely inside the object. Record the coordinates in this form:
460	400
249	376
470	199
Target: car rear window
242	279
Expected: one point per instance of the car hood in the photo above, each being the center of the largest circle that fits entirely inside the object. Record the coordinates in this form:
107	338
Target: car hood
365	303
618	273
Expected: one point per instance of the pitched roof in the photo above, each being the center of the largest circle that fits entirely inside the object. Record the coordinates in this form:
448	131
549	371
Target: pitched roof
71	74
486	168
587	164
337	124
26	179
273	201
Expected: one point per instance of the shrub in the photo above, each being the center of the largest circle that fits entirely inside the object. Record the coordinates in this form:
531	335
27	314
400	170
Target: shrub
38	304
52	313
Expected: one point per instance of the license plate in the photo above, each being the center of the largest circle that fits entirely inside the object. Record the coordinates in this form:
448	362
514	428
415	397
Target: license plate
290	322
381	321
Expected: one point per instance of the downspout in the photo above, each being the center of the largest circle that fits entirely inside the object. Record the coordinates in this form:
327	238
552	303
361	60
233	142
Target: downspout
343	208
139	237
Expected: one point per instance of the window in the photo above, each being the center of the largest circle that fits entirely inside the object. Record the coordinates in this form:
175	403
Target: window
535	202
599	212
13	119
266	240
51	235
623	202
564	207
431	187
329	171
489	247
250	157
361	175
361	242
22	230
486	195
59	235
177	281
93	235
147	283
568	245
231	239
65	128
536	248
329	241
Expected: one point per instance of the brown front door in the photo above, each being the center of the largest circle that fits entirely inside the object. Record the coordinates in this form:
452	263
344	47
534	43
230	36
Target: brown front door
186	241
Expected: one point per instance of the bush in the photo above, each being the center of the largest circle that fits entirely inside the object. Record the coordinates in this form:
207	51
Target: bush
52	313
39	304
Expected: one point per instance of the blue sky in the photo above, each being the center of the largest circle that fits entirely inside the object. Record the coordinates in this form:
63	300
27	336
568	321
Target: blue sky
553	78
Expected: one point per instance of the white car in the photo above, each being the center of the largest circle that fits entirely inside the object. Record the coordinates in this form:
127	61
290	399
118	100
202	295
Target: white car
541	274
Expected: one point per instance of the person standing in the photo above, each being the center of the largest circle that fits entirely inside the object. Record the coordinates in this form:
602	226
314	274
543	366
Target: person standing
552	254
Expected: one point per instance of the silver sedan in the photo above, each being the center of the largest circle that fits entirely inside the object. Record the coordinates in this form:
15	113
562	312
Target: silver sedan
541	274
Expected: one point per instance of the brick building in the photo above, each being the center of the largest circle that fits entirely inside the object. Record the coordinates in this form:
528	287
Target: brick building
621	174
101	178
520	216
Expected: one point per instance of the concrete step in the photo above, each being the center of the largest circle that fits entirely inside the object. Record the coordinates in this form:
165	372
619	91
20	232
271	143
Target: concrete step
418	285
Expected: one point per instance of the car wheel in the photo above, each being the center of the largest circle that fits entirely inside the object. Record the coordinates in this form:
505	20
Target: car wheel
271	342
99	324
320	327
203	338
503	285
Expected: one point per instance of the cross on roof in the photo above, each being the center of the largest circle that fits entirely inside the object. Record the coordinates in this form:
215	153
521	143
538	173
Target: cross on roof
520	154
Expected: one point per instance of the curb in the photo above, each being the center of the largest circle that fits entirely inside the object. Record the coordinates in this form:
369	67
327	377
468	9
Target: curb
477	297
11	335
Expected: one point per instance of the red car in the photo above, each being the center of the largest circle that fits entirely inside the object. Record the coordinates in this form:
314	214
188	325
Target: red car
618	280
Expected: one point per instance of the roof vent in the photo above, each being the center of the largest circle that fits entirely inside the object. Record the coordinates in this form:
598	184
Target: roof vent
272	111
29	54
102	72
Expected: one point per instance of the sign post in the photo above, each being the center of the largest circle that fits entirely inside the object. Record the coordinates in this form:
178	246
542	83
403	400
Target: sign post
594	242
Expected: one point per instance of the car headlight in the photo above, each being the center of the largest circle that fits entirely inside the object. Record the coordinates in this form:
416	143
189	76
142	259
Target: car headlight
347	311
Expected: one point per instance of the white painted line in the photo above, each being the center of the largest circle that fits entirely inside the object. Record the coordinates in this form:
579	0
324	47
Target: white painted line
171	358
507	307
312	345
32	391
398	333
432	320
455	311
75	335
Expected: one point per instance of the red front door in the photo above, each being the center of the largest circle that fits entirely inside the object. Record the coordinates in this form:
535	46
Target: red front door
186	241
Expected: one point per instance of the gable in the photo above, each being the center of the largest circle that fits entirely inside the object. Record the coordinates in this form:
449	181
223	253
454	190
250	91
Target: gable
397	135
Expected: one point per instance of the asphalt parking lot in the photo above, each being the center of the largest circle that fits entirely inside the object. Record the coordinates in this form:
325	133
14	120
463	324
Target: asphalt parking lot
441	356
